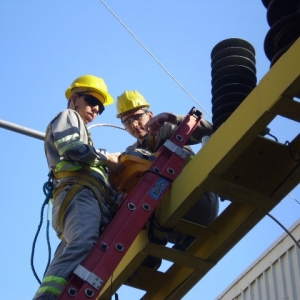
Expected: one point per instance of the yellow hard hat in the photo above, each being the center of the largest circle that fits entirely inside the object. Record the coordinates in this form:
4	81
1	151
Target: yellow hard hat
93	85
130	100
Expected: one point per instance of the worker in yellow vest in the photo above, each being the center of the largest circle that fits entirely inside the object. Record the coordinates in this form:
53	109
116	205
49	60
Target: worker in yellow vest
151	132
83	198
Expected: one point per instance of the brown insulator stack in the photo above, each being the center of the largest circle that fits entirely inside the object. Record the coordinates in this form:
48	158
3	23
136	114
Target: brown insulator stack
233	77
283	17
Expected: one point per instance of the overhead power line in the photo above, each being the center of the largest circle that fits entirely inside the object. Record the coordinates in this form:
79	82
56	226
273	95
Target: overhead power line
148	51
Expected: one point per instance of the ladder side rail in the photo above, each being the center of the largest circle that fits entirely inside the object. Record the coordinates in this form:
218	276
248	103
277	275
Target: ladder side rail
90	277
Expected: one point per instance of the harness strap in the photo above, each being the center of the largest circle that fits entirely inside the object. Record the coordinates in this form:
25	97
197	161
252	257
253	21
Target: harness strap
87	180
78	181
81	183
76	188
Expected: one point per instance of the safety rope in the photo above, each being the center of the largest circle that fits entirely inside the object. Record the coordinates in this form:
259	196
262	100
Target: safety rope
48	192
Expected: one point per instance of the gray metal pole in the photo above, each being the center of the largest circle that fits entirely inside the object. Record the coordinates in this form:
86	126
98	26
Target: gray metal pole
23	130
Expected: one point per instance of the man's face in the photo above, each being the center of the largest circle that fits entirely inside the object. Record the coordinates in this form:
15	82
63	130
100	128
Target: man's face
135	122
87	106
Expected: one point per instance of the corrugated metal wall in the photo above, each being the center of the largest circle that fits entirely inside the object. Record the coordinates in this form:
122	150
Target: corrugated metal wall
275	275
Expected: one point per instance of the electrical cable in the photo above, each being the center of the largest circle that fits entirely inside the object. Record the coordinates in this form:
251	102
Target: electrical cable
286	230
273	136
294	198
108	125
161	65
287	143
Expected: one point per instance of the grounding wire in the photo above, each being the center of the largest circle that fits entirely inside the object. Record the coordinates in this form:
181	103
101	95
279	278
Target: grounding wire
148	51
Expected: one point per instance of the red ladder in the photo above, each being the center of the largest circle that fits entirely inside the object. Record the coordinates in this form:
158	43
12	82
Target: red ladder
91	276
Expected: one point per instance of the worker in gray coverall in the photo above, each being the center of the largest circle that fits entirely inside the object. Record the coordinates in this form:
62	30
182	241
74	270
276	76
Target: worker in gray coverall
83	198
132	109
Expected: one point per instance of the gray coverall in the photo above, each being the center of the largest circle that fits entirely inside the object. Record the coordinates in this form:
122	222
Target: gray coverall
205	210
68	147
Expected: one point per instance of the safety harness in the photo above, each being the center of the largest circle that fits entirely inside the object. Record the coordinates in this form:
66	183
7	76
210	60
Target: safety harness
77	181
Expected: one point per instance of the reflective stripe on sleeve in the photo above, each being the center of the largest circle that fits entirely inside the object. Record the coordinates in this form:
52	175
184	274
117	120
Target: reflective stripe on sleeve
53	285
67	142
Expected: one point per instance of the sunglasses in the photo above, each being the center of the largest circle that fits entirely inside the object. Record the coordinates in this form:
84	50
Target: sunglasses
133	118
92	101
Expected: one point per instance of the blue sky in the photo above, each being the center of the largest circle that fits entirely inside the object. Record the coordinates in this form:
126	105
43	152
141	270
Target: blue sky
47	44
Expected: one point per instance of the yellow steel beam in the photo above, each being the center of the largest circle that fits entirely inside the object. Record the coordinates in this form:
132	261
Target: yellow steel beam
237	133
255	173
